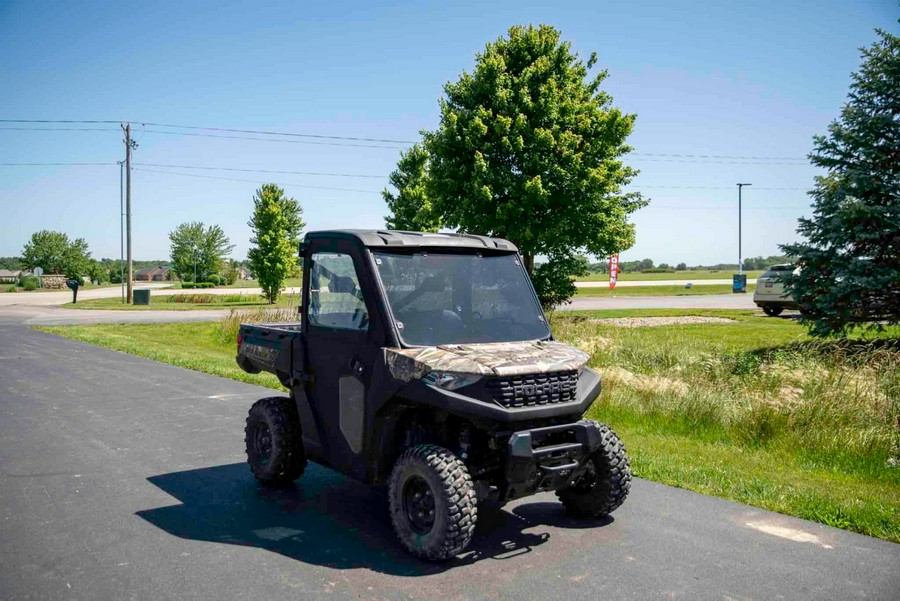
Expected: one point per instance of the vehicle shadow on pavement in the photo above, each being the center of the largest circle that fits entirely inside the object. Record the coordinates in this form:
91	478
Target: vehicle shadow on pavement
329	520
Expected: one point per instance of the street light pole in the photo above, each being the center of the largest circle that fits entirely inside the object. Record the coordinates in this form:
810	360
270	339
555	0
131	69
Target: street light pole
195	265
740	259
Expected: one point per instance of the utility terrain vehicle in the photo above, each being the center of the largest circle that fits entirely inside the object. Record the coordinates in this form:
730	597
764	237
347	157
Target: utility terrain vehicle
424	362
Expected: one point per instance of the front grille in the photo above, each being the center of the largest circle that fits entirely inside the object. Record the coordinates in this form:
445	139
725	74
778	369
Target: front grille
534	389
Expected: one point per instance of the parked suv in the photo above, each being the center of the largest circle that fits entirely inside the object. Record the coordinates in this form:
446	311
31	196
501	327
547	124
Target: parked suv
769	295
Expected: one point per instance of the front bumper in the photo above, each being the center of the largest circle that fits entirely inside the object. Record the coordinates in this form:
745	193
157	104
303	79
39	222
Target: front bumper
548	458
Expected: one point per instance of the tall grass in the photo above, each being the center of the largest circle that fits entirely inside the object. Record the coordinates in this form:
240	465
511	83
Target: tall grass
227	328
840	398
199	299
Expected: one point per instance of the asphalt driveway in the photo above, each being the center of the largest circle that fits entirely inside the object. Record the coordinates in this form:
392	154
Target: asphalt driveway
121	478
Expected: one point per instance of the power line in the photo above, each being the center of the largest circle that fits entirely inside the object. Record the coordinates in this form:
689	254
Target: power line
230	137
279	172
710	208
222	129
660	156
714	161
716	156
712	188
256	181
115	122
53	164
278	133
57	128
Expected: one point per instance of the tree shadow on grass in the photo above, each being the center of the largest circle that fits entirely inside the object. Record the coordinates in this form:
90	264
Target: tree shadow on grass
838	349
331	521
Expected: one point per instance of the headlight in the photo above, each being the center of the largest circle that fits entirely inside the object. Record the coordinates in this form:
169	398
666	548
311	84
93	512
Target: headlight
449	380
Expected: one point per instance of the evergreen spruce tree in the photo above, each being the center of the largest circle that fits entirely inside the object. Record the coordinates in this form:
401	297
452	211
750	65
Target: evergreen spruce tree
850	261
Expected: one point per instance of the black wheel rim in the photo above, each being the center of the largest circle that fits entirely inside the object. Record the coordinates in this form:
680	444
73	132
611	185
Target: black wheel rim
418	503
262	442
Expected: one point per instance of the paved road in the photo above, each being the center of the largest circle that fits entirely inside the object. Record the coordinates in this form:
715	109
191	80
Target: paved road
121	478
65	296
158	289
701	301
51	316
630	283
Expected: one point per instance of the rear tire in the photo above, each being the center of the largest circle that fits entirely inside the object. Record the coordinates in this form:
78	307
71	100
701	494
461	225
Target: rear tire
603	487
772	310
432	503
273	441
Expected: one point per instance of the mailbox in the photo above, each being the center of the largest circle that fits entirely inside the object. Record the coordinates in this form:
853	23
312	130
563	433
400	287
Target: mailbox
73	284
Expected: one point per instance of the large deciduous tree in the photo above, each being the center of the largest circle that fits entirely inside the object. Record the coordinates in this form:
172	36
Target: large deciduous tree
850	261
194	242
529	148
55	253
276	223
410	207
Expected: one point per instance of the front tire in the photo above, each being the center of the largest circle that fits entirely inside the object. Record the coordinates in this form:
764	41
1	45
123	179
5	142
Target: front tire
604	485
772	310
273	442
432	503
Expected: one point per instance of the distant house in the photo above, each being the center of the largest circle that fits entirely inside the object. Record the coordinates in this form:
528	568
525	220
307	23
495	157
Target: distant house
244	273
152	274
9	277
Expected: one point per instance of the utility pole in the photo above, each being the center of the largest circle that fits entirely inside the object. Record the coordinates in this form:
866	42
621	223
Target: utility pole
740	260
129	146
122	230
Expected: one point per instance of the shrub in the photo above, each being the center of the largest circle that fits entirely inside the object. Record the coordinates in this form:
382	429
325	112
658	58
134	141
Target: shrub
215	279
12	288
188	285
30	282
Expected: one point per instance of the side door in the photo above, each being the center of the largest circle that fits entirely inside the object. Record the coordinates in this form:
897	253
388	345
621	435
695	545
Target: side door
340	350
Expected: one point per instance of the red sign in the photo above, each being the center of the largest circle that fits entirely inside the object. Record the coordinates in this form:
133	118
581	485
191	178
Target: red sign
613	270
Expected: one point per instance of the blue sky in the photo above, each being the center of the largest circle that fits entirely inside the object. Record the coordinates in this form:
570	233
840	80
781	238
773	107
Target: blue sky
726	78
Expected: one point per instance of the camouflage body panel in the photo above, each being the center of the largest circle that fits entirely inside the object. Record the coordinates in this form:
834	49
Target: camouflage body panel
490	359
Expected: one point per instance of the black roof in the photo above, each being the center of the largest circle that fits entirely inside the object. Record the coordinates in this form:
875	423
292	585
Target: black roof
401	239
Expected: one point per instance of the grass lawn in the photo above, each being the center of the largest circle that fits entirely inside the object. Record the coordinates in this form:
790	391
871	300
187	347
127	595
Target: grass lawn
189	301
636	276
288	283
751	410
660	290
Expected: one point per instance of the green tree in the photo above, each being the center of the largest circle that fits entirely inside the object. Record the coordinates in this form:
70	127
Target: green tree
55	253
97	273
850	261
528	148
231	272
410	207
11	263
553	280
276	223
192	242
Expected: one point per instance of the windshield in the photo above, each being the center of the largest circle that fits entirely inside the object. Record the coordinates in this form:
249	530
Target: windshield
444	298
